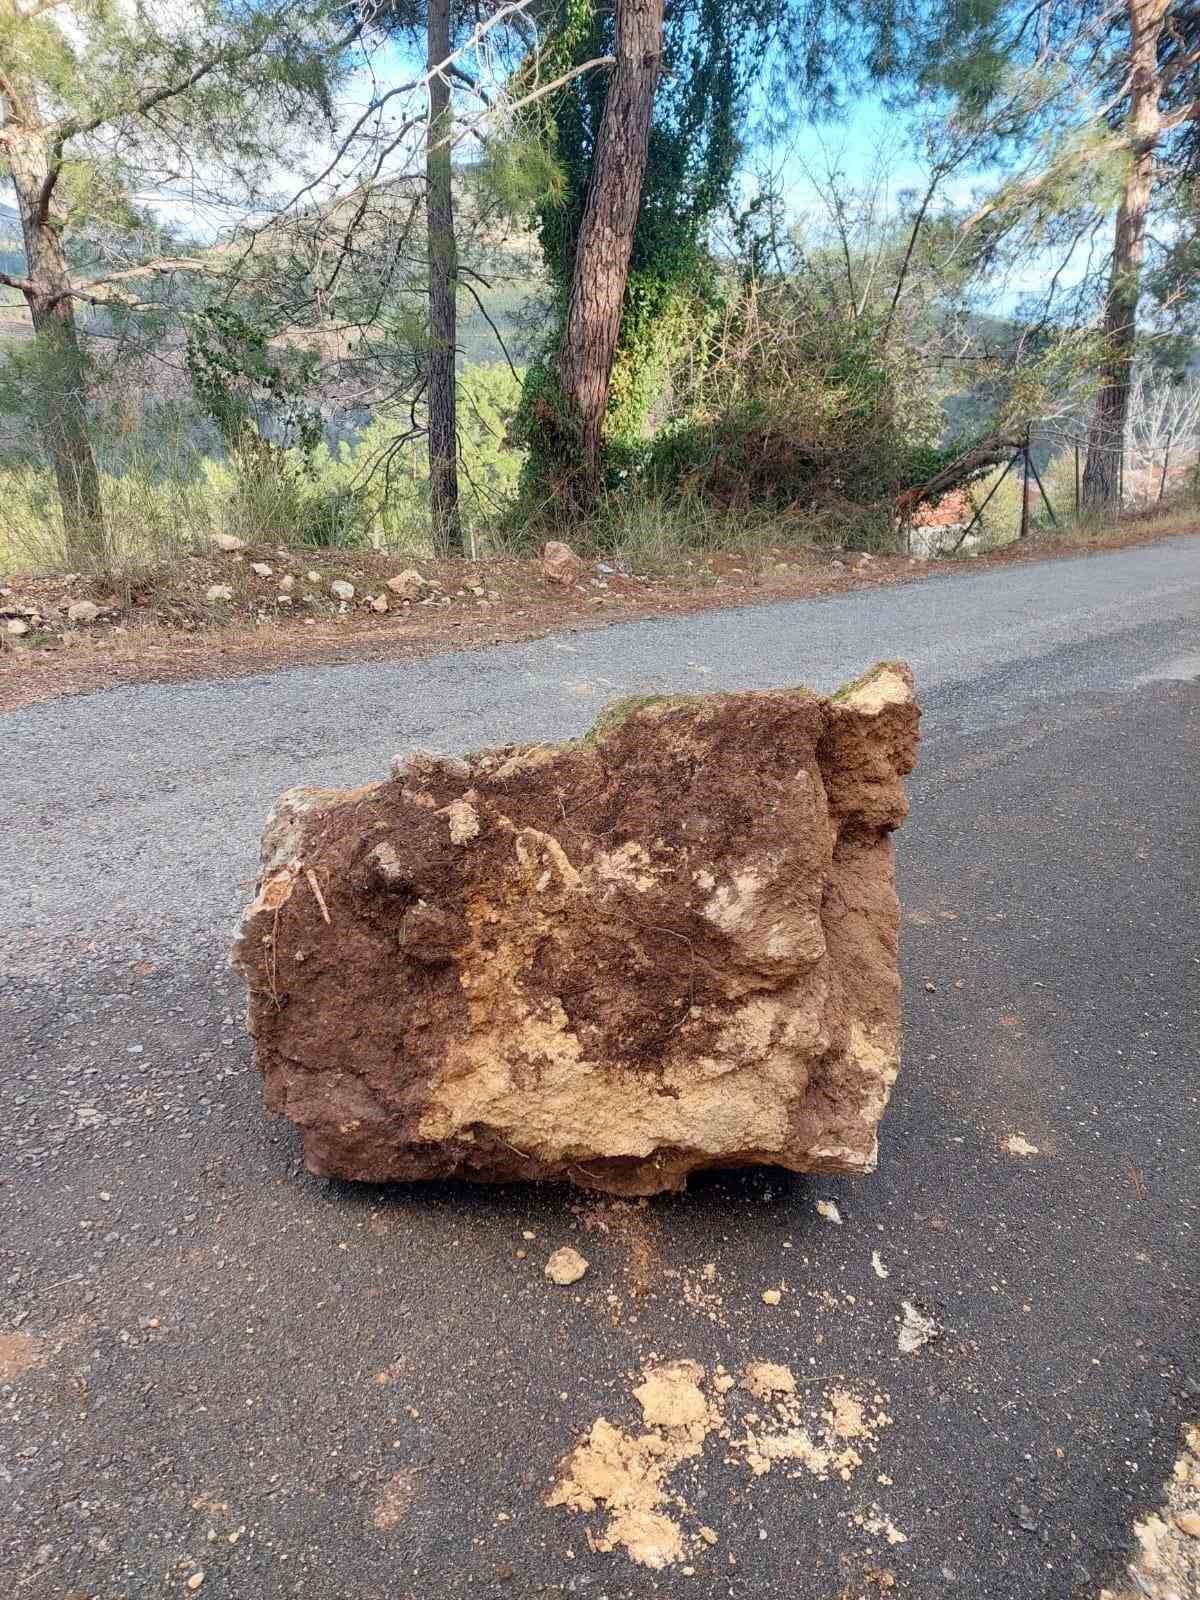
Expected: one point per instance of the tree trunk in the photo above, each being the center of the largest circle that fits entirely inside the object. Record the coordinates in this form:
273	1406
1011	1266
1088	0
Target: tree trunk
443	281
1106	433
61	402
610	213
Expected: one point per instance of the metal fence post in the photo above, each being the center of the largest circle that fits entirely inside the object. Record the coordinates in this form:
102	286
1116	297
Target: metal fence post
1162	482
1025	487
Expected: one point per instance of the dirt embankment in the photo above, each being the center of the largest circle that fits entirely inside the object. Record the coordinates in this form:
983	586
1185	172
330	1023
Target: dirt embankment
228	614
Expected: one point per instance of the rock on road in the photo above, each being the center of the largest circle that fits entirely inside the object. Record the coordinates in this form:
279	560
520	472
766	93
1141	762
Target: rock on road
219	1375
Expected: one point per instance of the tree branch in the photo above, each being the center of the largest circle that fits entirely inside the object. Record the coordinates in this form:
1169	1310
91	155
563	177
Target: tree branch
139	105
1182	114
471	290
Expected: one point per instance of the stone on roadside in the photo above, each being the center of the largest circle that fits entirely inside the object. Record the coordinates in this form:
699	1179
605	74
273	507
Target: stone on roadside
408	585
560	564
378	602
566	1266
218	591
341	590
83	612
667	946
286	584
17	627
262	569
228	543
313	577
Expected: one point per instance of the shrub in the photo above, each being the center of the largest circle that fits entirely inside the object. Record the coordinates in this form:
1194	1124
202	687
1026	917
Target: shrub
794	404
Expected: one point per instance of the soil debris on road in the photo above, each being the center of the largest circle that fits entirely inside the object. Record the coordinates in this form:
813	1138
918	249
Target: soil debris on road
765	1419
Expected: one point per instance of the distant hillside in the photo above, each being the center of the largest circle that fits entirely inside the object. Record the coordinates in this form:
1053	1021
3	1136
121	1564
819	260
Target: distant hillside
12	250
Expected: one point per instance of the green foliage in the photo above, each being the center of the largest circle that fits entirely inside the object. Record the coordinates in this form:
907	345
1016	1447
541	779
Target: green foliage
255	395
519	172
163	496
377	490
246	386
34	372
801	408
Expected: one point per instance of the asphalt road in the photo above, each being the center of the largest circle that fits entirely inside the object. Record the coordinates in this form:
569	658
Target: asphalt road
211	1363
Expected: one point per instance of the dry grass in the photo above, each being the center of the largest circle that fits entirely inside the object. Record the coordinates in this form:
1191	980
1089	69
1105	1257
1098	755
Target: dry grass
168	633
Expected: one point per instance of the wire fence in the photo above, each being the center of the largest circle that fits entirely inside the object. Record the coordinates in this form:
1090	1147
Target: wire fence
1140	471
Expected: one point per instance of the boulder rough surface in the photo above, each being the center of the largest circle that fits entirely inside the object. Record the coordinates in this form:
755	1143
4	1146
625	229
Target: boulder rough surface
667	946
560	564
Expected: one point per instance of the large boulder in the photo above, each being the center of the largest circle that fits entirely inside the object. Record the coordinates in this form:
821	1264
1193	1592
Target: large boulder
669	945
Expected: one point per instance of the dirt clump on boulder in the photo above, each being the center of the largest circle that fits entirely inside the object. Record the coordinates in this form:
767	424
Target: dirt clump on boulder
669	945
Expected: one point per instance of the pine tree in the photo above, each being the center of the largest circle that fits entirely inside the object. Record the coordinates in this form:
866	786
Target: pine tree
96	99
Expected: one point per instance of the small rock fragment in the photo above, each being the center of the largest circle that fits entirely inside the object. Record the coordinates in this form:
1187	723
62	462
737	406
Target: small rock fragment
767	1378
566	1266
464	822
877	1265
1188	1522
195	1581
916	1329
828	1209
313	577
408	585
287	583
218	591
378	602
341	590
262	569
1018	1145
16	627
229	543
771	1297
83	611
560	564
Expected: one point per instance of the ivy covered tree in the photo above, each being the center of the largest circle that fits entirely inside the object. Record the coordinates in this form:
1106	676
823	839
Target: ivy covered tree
713	66
97	100
624	233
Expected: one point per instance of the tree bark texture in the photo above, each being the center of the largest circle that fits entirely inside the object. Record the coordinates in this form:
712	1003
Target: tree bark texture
610	213
61	402
1106	433
443	281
